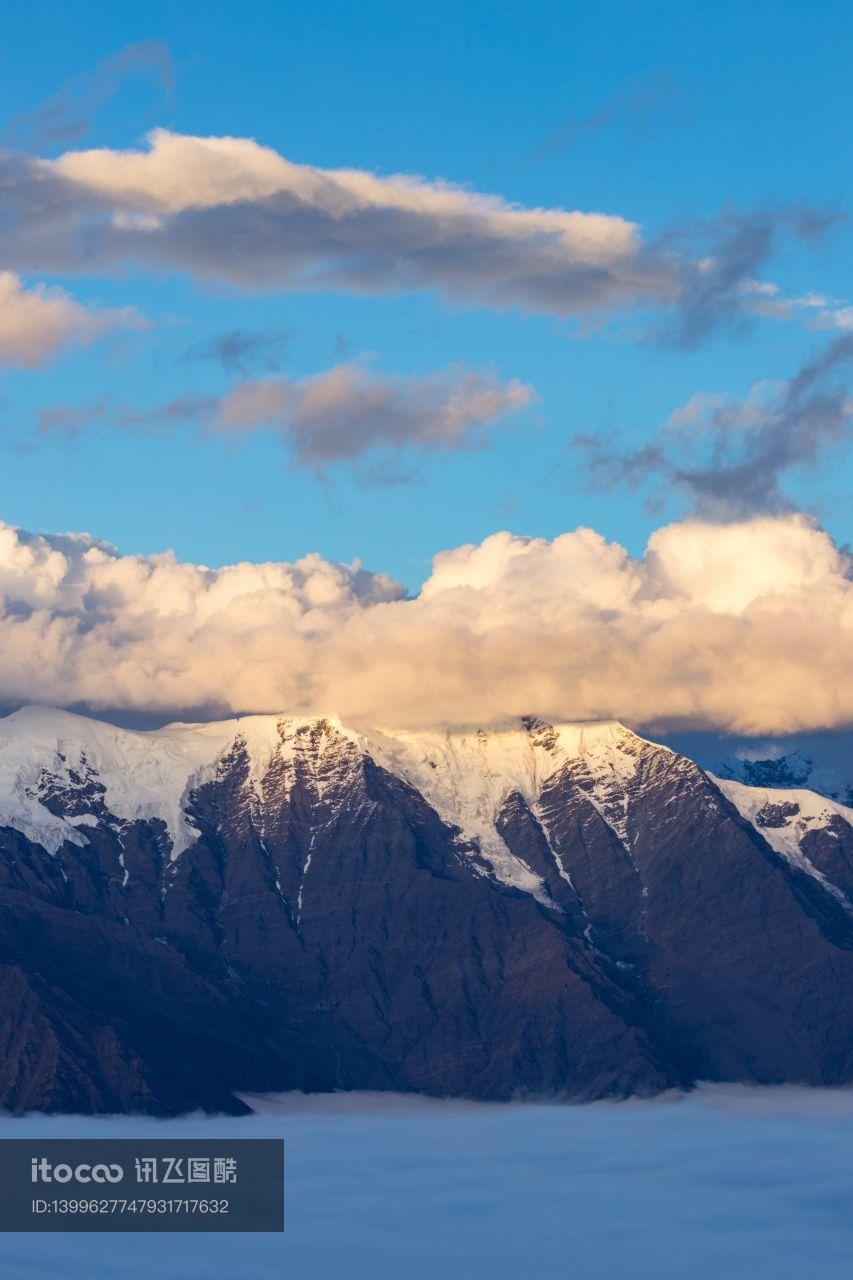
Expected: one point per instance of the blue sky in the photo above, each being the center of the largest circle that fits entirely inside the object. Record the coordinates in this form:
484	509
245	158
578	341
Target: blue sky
664	115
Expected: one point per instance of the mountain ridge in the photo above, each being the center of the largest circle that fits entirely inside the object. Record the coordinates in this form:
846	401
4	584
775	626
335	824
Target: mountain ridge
201	911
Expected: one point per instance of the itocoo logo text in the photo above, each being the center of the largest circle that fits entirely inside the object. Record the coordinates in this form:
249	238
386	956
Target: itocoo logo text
44	1171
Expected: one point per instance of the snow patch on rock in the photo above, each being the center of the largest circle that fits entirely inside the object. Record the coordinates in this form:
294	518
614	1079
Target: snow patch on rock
145	775
467	776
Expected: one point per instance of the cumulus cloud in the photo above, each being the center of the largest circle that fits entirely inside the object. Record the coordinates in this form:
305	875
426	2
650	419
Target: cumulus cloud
232	210
36	323
730	456
744	628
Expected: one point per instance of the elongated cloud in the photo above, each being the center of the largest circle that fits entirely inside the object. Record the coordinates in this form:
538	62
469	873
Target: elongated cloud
340	415
739	627
36	323
639	105
349	411
232	210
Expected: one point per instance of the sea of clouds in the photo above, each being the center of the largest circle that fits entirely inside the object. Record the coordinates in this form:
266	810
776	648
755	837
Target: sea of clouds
728	1182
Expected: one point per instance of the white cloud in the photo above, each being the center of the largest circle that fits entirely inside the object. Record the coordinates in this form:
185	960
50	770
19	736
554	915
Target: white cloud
821	312
838	318
740	627
729	568
235	210
177	173
36	323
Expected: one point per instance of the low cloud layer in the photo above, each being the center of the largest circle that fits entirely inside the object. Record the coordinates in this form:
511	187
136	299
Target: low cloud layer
742	627
751	1184
38	322
731	456
232	210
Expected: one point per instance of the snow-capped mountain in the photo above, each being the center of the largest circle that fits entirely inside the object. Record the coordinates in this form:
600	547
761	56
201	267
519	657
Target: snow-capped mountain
809	830
281	902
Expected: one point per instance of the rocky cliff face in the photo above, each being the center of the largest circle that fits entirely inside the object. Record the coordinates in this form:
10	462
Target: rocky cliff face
283	903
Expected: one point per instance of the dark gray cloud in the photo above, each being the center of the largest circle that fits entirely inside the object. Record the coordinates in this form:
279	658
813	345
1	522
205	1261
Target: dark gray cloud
243	351
712	287
67	115
720	268
731	456
639	105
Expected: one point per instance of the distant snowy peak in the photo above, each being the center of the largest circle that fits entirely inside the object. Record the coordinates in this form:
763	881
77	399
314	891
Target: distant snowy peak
795	769
811	831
